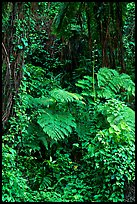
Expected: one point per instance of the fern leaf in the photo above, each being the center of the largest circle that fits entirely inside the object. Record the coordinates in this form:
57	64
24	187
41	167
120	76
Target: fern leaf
107	78
61	95
56	125
110	79
87	85
106	93
127	83
89	78
46	182
44	140
43	101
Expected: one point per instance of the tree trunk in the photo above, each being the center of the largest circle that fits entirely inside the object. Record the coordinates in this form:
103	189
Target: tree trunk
88	15
119	31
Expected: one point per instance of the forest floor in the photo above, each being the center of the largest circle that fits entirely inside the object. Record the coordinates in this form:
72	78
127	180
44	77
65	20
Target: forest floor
130	192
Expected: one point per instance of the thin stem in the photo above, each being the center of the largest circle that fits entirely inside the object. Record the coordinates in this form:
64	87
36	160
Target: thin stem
94	76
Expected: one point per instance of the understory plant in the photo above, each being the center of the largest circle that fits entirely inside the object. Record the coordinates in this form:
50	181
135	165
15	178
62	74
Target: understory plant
109	147
68	108
70	146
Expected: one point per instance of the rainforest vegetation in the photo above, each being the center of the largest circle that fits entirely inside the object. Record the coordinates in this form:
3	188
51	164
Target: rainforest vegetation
68	101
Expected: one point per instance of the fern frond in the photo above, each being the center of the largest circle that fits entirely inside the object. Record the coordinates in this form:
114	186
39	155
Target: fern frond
110	82
56	95
62	96
127	83
45	101
86	85
56	125
46	182
44	140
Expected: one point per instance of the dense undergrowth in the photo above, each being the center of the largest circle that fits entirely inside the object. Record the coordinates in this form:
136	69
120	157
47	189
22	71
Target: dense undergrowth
69	146
71	136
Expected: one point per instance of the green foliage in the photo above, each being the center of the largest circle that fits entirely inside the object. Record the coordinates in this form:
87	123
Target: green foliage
113	162
109	84
112	83
98	140
62	21
121	119
110	152
109	146
6	10
67	143
46	112
57	125
86	85
14	186
61	95
129	38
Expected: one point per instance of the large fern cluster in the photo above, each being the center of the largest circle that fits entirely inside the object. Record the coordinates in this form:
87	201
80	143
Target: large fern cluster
109	84
112	83
55	120
53	97
62	96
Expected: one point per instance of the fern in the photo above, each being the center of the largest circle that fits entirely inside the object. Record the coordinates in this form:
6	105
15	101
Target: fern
44	140
44	101
87	86
109	84
56	125
105	76
55	96
46	182
85	83
62	96
121	119
127	83
49	116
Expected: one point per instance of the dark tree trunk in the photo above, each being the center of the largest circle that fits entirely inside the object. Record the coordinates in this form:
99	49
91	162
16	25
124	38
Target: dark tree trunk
11	69
119	31
88	15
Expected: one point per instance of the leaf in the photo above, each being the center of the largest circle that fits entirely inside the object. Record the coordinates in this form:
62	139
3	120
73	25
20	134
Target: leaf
75	144
111	130
123	126
44	101
91	150
24	42
110	119
20	47
111	81
56	125
44	140
115	127
61	95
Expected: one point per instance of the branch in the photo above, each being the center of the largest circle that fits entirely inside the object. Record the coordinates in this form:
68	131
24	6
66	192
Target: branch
8	61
